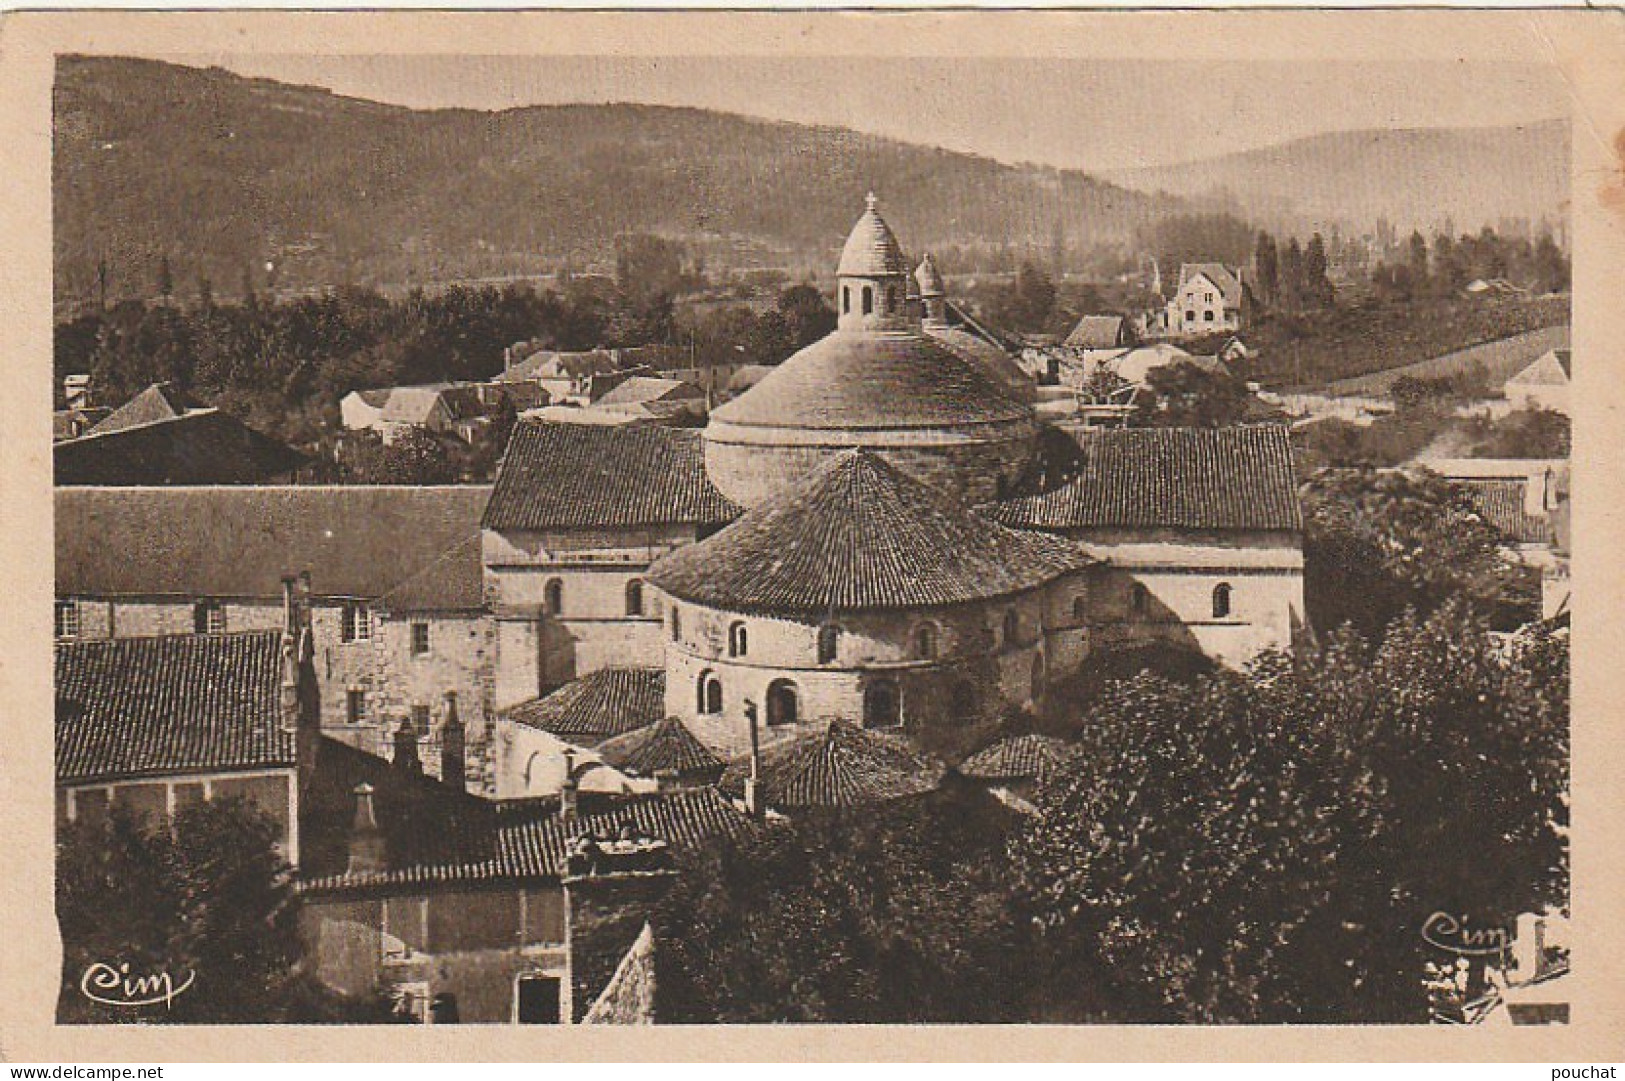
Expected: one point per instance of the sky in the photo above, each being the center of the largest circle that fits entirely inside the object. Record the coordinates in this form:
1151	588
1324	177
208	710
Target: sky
1090	114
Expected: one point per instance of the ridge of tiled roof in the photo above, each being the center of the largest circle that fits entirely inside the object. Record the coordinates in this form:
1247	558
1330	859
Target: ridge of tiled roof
203	446
160	401
455	582
530	843
1017	758
238	541
1177	478
1551	368
578	475
874	380
175	704
640	389
665	747
600	705
841	766
858	534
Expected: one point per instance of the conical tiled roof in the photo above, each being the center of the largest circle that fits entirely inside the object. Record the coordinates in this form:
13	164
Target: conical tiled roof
1017	758
602	704
871	249
860	535
840	766
667	746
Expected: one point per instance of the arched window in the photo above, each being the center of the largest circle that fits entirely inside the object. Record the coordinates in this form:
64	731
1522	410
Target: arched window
1221	600
846	299
880	705
829	641
1038	674
868	300
738	640
1080	609
676	624
1139	598
1012	627
709	693
553	596
781	702
925	641
634	597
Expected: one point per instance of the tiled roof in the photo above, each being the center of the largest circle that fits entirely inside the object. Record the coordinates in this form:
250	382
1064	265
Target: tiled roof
1096	332
527	842
649	388
1220	275
840	766
1502	502
357	540
204	446
1017	758
579	475
992	360
134	707
1551	368
665	747
747	376
602	704
858	534
871	249
161	401
453	583
416	404
1176	478
880	380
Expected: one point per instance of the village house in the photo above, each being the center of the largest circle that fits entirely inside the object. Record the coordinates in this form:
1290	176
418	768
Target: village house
1210	298
151	725
1544	384
161	436
134	562
458	410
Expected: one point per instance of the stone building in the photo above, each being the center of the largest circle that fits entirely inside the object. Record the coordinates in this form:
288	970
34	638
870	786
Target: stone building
856	594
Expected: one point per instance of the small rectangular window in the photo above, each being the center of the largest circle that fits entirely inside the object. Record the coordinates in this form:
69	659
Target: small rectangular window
355	705
420	639
420	719
209	617
357	626
67	619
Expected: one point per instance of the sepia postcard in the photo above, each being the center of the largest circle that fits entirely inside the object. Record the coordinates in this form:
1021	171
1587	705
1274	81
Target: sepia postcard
695	534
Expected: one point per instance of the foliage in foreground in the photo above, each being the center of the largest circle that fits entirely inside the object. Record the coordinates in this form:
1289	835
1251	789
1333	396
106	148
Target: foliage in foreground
210	897
1266	846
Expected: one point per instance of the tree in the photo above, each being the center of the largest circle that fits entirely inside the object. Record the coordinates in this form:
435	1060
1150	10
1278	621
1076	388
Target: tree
1377	543
210	897
1317	286
892	915
1183	395
1266	268
1419	261
1265	846
807	314
1551	269
1292	276
166	279
1028	302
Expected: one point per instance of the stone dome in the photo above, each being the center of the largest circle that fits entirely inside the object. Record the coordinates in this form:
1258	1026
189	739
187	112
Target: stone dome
927	278
871	249
877	383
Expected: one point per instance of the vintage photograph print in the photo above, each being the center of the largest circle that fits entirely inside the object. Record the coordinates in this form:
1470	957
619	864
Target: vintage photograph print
623	539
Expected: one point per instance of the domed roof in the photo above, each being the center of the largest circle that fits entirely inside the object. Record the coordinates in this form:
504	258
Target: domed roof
860	535
840	766
871	250
873	380
929	281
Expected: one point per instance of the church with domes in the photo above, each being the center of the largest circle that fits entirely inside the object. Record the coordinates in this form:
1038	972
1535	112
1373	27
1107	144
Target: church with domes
866	535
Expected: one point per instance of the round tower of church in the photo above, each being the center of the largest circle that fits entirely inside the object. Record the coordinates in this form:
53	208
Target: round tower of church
879	383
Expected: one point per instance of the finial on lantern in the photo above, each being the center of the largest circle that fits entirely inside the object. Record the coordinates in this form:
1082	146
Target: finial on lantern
872	202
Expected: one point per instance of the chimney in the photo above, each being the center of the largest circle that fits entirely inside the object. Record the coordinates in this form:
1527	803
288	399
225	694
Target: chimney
366	839
753	783
406	748
569	790
453	746
289	697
